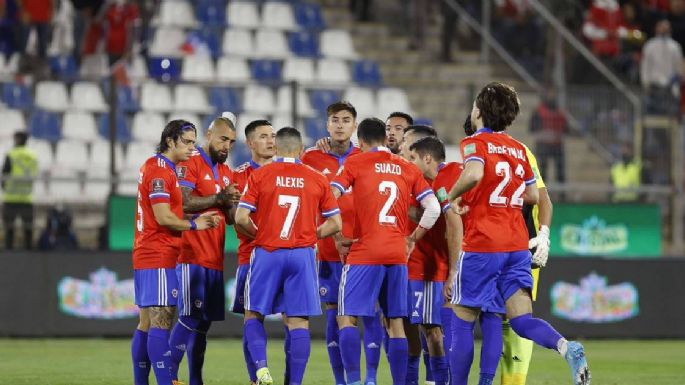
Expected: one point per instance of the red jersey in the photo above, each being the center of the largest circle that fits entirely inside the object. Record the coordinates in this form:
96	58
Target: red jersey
494	222
287	198
328	164
246	244
204	248
382	186
119	20
156	246
430	259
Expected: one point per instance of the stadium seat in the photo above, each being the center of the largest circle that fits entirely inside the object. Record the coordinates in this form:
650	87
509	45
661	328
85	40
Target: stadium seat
392	99
266	71
281	120
321	99
10	122
211	13
155	97
87	96
123	134
224	99
259	99
240	153
298	69
94	67
71	155
304	43
126	100
41	194
65	191
43	150
192	118
308	16
9	67
278	15
100	156
315	128
147	127
96	191
167	42
332	71
205	41
192	98
16	95
164	68
45	125
64	67
244	119
238	42
271	45
136	154
52	96
79	126
137	69
175	13
366	73
242	14
337	43
198	68
284	103
233	69
423	121
364	101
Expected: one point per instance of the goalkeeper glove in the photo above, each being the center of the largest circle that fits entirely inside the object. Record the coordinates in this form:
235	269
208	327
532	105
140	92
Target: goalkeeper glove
541	246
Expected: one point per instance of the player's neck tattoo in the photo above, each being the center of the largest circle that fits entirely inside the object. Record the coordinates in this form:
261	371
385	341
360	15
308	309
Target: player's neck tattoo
340	148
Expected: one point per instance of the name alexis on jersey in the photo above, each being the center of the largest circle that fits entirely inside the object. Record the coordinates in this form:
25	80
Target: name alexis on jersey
286	181
388	168
515	152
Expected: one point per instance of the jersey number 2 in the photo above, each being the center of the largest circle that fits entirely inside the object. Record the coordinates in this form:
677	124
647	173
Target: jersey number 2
293	204
503	169
388	188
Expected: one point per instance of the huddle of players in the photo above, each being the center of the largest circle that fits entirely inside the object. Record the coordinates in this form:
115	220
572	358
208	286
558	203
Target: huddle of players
287	206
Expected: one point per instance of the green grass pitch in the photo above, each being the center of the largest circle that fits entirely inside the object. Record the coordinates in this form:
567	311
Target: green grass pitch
107	362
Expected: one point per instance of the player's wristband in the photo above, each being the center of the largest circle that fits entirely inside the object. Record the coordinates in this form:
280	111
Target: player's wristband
193	225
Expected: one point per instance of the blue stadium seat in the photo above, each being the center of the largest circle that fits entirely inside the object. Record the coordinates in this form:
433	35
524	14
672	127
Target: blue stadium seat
64	66
309	16
126	101
164	68
123	129
266	71
315	128
366	73
210	37
321	99
423	121
17	96
303	43
211	13
45	125
224	99
240	154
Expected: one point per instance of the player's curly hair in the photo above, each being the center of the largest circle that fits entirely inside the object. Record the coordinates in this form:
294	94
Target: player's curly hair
173	130
499	105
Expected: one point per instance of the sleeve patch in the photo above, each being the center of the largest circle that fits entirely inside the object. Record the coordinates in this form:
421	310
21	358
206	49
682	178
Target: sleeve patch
158	185
181	172
469	149
442	194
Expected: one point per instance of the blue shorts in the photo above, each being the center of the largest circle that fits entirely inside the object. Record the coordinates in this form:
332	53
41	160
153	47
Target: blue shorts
239	297
155	287
481	277
283	280
361	286
202	292
424	301
329	281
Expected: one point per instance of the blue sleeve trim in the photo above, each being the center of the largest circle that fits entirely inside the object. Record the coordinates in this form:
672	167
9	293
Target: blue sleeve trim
338	186
478	159
247	206
530	181
424	194
330	213
185	183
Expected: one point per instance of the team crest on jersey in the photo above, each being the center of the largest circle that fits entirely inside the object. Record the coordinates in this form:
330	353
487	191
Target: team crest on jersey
226	181
181	172
198	303
469	149
158	185
442	194
323	290
174	293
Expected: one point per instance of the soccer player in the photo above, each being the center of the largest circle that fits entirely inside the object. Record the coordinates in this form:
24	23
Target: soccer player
341	124
496	260
287	199
376	267
433	260
260	137
206	184
157	241
395	125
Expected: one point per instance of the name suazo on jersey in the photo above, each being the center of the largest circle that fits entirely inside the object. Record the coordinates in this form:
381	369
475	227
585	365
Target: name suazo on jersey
494	222
156	246
204	248
328	164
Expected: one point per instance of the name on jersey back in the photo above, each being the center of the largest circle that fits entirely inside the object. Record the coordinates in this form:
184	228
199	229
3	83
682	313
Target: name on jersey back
286	181
515	152
388	168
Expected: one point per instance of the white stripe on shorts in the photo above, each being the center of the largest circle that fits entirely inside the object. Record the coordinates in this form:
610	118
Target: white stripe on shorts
341	290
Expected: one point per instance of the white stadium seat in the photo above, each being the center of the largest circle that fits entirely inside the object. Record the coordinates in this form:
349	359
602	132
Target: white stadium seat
155	97
192	118
392	99
175	13
332	71
243	120
79	126
259	99
189	97
10	122
99	156
198	68
52	96
238	42
65	185
136	154
87	96
167	42
233	69
299	69
278	15
43	149
137	70
95	66
285	105
337	43
71	155
147	127
271	45
242	14
364	101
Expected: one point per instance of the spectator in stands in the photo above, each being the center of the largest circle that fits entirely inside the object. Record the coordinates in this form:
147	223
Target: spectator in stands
86	26
8	27
625	176
660	72
520	31
18	171
603	27
449	26
35	15
549	125
361	9
121	18
58	233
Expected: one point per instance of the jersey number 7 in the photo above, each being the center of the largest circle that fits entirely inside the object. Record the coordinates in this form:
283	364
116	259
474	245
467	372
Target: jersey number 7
293	204
503	169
